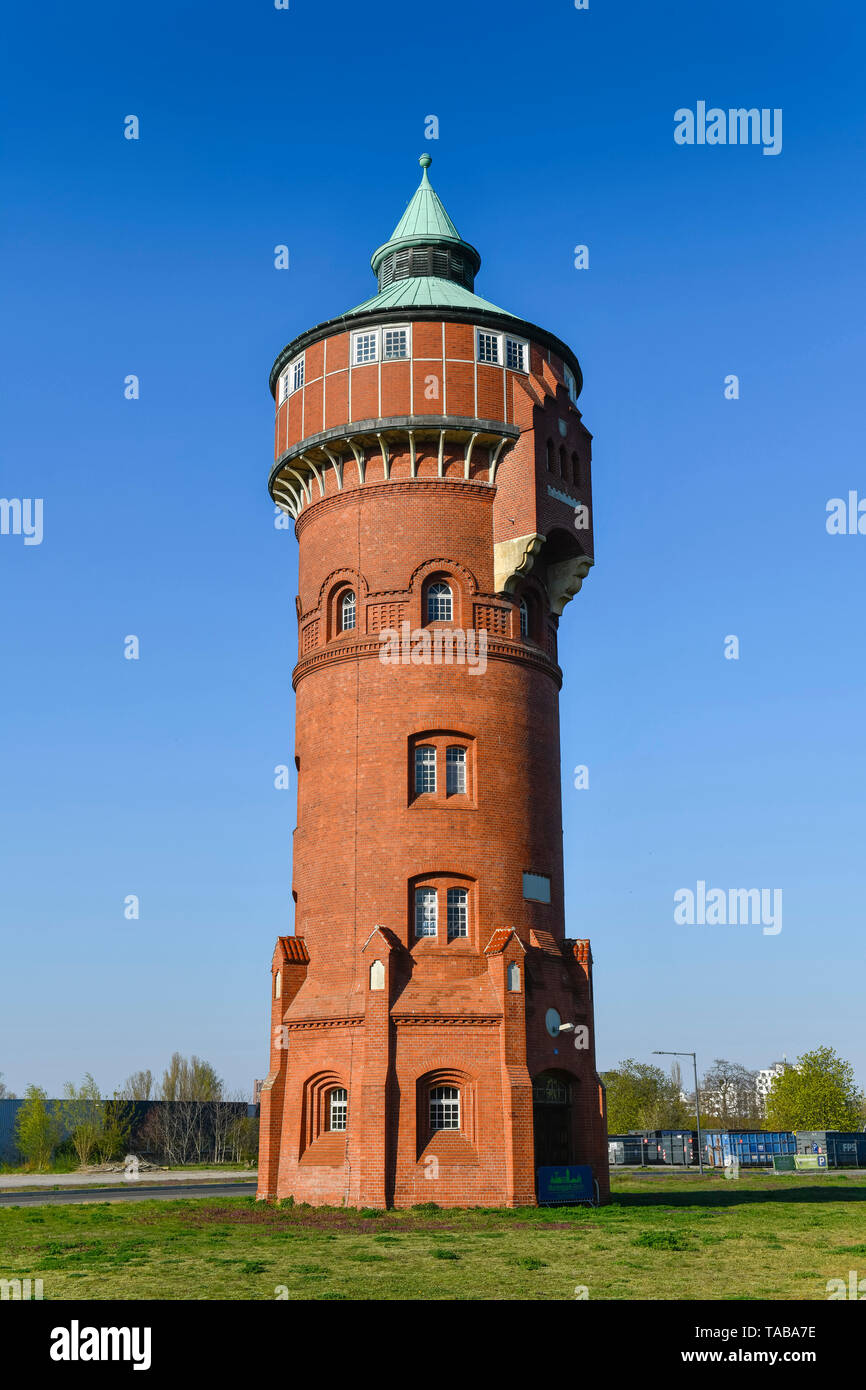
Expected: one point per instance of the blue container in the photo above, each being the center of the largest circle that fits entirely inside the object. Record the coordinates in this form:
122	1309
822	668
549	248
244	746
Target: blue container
752	1148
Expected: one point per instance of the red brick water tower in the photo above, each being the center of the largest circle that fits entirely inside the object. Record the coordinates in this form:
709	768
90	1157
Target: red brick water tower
431	453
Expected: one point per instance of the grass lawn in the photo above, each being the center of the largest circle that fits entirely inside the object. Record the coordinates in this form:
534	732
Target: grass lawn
667	1236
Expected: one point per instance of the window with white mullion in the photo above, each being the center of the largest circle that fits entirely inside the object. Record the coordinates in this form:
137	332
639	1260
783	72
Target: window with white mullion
458	913
366	348
426	913
515	354
488	348
338	1108
455	771
395	344
444	1108
425	769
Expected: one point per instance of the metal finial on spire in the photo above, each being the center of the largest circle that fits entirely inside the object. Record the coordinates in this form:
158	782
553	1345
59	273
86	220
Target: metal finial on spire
425	161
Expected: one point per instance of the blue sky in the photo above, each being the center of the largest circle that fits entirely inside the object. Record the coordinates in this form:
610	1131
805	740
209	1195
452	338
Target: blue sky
155	257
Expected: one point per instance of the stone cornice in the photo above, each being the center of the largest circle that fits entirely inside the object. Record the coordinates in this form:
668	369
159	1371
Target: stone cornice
367	648
447	1020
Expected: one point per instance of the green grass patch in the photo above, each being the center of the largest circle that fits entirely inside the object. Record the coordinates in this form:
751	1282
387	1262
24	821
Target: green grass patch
664	1236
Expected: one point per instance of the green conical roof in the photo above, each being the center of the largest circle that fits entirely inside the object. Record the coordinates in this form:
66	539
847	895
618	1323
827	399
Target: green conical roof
427	291
425	221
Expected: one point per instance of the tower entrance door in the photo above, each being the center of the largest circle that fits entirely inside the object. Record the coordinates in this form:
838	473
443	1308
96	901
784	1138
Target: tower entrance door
552	1121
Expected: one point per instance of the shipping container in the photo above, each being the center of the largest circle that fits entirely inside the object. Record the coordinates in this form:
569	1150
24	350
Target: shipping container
677	1147
752	1148
624	1148
843	1149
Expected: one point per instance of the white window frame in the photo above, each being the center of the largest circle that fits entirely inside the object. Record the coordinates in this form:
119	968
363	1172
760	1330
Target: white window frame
457	912
496	338
455	770
397	328
502	341
435	594
443	1103
289	377
423	766
570	383
523	346
338	1109
378	337
348	607
357	338
423	921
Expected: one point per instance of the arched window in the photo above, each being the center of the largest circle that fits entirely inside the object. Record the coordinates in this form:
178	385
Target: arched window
458	913
514	978
575	470
563	464
425	769
550	467
444	1107
524	618
455	771
347	612
440	604
278	984
426	914
338	1108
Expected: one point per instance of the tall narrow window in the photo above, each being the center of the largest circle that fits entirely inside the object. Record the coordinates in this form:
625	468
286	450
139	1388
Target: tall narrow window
524	618
455	771
425	769
298	374
458	913
338	1108
570	383
444	1107
563	464
550	463
347	612
575	470
440	605
426	917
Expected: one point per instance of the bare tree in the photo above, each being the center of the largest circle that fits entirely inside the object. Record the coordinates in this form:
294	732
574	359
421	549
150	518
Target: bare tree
729	1094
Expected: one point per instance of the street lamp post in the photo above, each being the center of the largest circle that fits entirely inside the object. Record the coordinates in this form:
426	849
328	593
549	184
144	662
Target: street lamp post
659	1052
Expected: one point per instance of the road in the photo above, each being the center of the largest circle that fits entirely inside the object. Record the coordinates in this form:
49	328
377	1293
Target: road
129	1192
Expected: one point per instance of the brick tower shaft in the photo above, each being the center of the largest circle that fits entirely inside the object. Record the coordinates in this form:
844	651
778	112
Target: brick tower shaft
430	450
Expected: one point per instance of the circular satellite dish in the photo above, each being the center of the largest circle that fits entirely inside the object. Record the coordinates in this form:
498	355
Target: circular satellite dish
552	1022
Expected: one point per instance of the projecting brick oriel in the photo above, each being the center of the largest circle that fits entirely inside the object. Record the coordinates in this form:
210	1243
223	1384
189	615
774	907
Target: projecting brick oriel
429	441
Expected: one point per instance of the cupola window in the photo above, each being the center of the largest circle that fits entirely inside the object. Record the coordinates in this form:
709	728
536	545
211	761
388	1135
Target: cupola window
488	348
